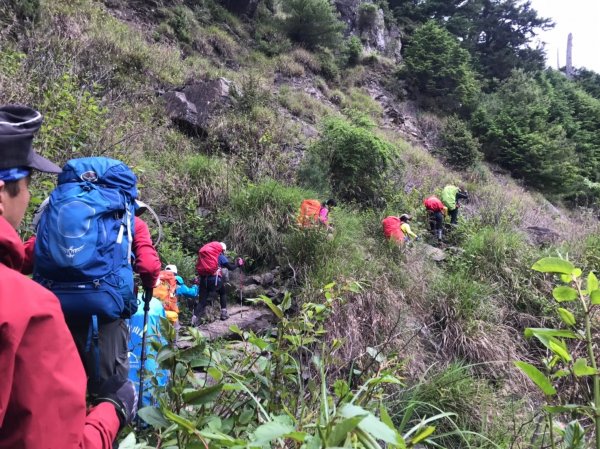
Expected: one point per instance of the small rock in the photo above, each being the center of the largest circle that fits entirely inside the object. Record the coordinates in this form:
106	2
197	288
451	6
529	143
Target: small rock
433	253
542	236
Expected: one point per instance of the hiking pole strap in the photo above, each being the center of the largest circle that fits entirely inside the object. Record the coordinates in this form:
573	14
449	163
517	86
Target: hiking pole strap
93	343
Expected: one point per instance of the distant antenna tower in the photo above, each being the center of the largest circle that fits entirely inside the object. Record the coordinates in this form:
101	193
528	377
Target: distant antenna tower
569	67
558	59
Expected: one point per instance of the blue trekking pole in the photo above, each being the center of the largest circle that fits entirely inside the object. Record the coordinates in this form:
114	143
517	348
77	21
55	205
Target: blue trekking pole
147	298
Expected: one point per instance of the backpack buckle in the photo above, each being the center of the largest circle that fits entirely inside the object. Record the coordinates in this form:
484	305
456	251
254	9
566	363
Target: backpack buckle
96	283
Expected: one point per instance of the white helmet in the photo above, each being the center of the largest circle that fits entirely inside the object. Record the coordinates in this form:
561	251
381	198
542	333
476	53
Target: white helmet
224	246
172	268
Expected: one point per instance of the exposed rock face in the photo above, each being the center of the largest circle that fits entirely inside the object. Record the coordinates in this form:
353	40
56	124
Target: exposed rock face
375	35
193	106
241	7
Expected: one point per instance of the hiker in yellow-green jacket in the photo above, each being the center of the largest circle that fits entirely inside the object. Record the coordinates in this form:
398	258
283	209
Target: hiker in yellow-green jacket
450	197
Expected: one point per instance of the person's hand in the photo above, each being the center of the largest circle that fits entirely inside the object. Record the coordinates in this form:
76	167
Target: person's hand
239	262
121	393
195	281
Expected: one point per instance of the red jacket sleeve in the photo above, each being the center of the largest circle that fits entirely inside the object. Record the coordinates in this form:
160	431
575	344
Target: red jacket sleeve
147	263
29	246
42	392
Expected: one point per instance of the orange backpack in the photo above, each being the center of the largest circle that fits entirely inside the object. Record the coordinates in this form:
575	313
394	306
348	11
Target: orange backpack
309	213
165	290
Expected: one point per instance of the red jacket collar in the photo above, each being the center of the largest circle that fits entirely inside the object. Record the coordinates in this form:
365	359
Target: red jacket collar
12	253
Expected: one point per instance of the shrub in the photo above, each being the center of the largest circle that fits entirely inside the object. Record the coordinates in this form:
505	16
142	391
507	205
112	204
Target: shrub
307	59
302	105
181	20
354	50
261	216
313	23
367	15
288	66
439	69
329	66
460	148
25	10
359	100
355	161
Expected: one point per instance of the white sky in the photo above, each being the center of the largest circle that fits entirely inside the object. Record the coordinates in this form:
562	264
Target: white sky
580	17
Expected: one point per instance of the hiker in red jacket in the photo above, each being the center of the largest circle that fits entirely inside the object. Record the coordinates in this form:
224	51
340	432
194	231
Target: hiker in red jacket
436	212
42	391
211	262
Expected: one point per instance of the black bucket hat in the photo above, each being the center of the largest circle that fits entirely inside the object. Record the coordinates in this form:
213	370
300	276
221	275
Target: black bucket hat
18	124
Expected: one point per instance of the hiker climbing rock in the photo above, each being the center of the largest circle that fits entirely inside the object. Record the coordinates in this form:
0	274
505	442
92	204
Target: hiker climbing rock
436	212
89	242
392	229
43	387
450	197
313	212
211	262
405	226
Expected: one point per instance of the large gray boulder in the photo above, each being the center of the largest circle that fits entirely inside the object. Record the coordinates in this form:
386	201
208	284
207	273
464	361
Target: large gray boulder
193	107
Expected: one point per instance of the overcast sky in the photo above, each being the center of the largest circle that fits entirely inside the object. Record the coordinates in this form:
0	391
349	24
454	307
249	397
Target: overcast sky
580	17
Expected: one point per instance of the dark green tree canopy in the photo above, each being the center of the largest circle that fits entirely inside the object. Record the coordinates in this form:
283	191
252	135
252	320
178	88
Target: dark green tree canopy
313	23
497	33
439	69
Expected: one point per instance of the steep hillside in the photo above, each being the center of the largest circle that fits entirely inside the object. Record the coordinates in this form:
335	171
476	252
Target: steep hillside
229	123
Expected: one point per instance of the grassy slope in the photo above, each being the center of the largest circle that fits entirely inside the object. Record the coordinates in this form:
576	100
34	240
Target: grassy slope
95	77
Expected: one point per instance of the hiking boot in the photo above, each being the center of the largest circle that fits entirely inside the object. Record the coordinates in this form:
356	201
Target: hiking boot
224	314
194	320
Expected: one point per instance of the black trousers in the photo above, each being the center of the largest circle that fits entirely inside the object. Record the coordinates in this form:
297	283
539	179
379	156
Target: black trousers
436	220
207	285
112	343
453	216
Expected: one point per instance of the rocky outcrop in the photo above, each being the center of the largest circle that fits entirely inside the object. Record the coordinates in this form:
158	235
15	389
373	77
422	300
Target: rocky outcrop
192	107
367	20
252	286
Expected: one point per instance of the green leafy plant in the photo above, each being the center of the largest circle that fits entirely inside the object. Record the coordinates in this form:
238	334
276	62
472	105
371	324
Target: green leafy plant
581	296
272	391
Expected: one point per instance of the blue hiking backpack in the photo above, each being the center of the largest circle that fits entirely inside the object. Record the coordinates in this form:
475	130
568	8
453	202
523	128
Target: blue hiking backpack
84	238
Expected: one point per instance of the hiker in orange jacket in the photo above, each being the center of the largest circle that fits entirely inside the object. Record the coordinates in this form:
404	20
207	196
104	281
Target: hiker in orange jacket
42	392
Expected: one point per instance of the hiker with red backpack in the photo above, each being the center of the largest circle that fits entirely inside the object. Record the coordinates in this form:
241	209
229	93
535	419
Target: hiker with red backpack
435	212
43	382
211	262
89	243
392	229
